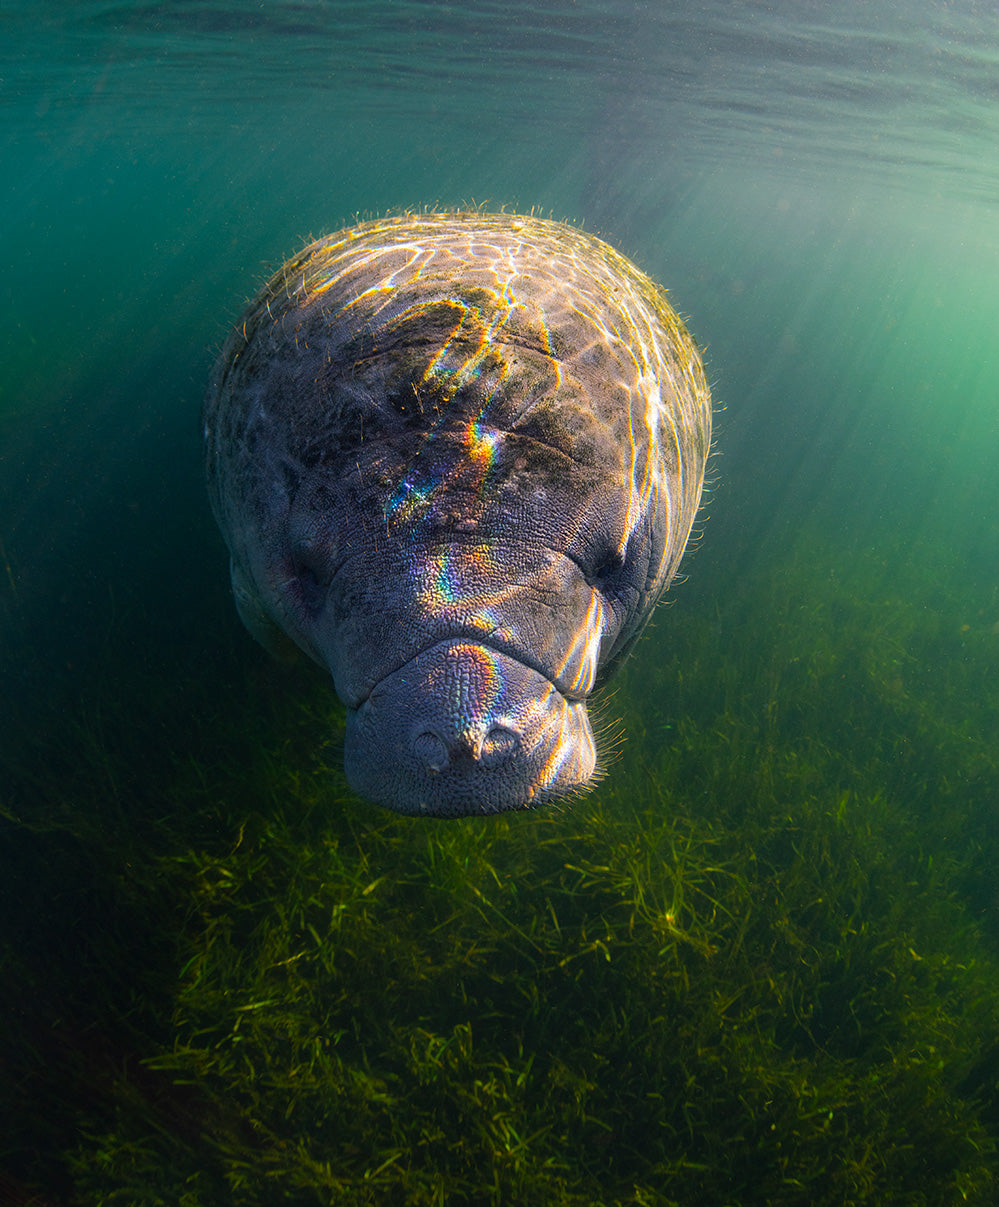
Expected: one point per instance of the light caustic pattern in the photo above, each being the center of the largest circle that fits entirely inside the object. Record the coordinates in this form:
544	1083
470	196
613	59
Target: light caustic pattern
528	275
579	667
454	583
472	293
442	379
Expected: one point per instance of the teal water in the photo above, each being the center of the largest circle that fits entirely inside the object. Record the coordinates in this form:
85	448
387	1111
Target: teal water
818	188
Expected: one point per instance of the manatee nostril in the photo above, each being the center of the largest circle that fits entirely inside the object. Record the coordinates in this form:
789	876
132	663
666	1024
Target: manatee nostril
430	750
499	743
436	754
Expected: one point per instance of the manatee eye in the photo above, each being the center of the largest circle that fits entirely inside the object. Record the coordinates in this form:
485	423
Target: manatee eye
310	578
606	577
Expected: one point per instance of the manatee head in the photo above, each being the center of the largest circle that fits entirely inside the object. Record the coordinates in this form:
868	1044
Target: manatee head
456	459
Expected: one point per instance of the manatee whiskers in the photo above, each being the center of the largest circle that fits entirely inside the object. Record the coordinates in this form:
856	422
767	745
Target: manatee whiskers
608	734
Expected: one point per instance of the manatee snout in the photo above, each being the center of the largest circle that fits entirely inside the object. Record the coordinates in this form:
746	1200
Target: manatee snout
463	728
456	459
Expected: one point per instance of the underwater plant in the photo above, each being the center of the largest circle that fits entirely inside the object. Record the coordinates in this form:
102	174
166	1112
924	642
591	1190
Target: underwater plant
755	967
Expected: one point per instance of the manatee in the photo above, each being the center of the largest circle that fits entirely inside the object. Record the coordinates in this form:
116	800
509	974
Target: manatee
456	458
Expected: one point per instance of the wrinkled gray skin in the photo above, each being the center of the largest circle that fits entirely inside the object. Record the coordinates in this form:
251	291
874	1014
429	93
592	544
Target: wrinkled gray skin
456	459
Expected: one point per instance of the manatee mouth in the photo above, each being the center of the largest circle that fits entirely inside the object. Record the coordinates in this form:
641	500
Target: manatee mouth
465	729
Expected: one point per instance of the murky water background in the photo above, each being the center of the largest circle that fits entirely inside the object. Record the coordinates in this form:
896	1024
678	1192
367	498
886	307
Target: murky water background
816	185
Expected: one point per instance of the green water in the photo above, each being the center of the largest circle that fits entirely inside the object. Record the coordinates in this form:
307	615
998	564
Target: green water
760	964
